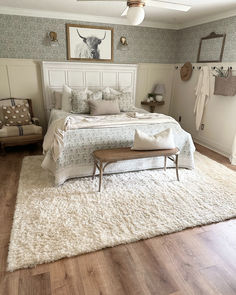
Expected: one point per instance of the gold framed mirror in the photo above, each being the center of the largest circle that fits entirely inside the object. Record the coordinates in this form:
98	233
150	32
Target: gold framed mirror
211	48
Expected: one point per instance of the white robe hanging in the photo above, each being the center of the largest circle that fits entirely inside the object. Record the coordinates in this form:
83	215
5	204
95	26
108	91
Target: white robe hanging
202	92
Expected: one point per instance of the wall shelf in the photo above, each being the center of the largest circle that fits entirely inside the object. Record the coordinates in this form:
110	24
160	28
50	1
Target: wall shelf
153	104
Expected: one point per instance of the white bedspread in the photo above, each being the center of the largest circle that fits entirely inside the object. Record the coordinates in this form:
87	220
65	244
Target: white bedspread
53	140
71	140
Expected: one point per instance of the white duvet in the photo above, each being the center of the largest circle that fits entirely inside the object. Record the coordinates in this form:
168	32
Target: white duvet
71	140
54	138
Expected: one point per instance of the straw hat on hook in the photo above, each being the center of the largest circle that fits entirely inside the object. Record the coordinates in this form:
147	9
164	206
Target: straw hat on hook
186	71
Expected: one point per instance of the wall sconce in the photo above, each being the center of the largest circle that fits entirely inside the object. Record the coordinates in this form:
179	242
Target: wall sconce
53	39
123	44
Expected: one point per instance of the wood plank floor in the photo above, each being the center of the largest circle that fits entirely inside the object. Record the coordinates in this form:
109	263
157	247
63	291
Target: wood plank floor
195	261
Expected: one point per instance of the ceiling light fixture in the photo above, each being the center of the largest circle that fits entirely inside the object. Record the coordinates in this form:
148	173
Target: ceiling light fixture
136	12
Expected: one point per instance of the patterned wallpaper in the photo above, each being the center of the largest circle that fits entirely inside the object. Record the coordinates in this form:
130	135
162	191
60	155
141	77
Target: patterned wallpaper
189	39
25	37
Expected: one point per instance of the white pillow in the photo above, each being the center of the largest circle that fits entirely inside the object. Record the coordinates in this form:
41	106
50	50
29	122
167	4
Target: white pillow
66	99
159	141
57	100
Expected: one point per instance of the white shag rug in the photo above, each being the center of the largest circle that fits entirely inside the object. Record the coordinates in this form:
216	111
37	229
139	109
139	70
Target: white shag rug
55	222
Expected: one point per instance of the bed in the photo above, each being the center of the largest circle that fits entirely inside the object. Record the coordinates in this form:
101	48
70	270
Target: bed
85	134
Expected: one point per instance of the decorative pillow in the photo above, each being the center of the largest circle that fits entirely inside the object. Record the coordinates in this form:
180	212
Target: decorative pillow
57	100
159	141
80	99
10	102
124	98
17	115
79	102
1	124
109	90
94	94
103	107
66	99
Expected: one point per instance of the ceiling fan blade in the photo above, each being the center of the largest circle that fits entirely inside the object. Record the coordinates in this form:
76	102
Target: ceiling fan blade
124	13
168	5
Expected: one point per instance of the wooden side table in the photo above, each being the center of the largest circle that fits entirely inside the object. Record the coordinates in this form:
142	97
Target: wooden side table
153	104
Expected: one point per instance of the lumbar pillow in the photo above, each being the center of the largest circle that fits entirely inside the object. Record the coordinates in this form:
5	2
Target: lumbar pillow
124	98
159	141
16	115
103	107
66	99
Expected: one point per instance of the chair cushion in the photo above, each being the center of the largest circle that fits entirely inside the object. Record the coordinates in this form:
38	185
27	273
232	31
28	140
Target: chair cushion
17	115
159	141
8	131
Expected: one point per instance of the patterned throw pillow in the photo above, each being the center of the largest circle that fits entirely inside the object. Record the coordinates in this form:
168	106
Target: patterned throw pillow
79	102
16	115
80	99
1	124
124	99
94	95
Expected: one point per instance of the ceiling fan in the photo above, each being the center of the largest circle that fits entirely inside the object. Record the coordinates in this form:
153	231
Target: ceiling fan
135	8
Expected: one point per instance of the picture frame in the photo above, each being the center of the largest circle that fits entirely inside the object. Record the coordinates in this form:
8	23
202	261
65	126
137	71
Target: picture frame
89	43
206	46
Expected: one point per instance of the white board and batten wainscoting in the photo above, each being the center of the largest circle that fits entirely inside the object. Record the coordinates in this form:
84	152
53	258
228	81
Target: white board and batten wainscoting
81	75
219	116
23	78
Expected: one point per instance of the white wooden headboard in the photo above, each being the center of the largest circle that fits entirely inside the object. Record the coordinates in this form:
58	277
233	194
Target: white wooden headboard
81	75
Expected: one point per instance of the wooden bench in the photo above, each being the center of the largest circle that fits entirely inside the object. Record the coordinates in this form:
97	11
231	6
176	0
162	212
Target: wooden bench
104	157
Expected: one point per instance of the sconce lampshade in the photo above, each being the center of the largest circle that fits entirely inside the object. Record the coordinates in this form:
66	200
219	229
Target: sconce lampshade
159	89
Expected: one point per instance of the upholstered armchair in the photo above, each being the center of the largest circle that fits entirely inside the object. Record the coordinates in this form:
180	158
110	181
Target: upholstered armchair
18	126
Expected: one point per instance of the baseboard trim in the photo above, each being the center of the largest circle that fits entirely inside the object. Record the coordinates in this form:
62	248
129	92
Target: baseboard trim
214	147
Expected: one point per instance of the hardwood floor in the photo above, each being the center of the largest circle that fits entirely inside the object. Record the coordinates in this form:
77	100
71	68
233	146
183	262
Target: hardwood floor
195	261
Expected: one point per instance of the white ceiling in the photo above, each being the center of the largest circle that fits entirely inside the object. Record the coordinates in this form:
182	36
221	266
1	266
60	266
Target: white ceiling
109	12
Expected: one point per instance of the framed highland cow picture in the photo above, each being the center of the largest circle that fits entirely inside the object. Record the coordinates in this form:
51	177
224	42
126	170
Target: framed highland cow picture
89	43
